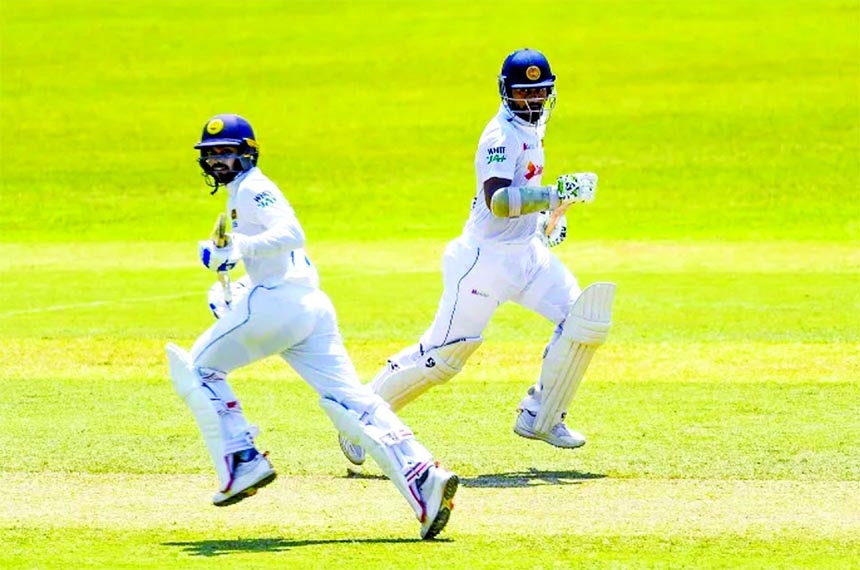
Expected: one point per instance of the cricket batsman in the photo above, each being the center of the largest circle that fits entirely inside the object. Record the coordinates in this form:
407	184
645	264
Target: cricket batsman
503	255
279	308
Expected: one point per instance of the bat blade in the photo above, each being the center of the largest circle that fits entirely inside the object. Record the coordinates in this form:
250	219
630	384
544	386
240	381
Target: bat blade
219	232
219	237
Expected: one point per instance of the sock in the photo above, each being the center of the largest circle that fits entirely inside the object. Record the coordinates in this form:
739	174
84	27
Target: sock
245	455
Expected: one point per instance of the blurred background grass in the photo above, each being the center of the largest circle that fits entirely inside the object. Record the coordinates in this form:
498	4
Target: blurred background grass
733	120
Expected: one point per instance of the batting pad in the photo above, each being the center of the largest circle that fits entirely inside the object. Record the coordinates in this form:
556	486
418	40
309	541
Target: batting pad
382	446
225	431
403	380
584	330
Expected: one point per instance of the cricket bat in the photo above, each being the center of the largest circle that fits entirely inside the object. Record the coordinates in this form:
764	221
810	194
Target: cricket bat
219	237
554	216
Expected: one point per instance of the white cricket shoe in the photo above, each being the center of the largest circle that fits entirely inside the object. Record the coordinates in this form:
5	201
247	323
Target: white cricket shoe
355	453
559	436
437	489
247	478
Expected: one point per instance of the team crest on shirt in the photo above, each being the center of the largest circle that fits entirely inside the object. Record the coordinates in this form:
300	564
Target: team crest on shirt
264	199
233	214
496	154
214	126
533	170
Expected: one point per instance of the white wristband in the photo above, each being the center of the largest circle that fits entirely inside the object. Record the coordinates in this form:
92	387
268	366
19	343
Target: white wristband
554	200
515	203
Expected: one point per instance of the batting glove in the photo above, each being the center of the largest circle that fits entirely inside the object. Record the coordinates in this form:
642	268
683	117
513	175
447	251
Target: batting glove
218	305
219	258
559	232
579	187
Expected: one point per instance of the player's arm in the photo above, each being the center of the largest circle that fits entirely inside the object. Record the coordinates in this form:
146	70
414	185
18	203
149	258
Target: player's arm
514	201
493	185
283	232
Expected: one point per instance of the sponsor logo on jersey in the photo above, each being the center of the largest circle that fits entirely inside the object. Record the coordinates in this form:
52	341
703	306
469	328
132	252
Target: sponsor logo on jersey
496	154
527	146
533	170
264	199
480	293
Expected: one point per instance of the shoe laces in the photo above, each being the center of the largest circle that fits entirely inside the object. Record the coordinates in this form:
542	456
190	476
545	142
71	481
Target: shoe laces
560	430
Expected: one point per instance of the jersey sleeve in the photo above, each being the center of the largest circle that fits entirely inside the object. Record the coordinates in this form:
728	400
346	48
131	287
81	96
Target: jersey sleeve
497	154
266	206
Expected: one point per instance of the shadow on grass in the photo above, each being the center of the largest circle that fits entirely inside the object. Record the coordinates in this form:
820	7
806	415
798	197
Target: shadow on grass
224	547
527	478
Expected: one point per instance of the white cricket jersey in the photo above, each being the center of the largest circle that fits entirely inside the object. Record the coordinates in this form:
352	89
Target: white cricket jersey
274	253
507	149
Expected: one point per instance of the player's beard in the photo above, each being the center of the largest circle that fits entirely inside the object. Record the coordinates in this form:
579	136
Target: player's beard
224	174
531	113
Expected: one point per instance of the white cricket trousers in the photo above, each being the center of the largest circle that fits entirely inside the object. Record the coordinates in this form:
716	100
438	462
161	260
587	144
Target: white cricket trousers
298	323
478	278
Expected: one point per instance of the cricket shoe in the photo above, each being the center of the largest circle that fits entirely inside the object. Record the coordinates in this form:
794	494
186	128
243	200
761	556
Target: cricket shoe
560	435
355	453
248	477
436	487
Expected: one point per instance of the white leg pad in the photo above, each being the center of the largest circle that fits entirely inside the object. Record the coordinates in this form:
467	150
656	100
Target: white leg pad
567	358
383	447
409	374
215	409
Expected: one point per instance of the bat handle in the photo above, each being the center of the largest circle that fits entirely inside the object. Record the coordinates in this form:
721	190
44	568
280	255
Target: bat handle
224	279
554	217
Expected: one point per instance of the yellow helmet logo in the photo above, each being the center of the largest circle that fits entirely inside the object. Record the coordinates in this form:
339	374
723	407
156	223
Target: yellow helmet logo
533	72
215	126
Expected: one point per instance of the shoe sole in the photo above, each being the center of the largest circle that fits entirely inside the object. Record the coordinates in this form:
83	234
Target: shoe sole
350	457
531	435
249	492
445	509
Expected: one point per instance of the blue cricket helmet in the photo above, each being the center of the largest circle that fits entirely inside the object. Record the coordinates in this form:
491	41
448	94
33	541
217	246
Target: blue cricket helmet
227	130
527	69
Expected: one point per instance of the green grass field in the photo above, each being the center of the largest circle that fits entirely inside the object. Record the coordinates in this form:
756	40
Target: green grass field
723	416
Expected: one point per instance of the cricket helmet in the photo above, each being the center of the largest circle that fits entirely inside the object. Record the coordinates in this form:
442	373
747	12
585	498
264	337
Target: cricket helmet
226	130
527	69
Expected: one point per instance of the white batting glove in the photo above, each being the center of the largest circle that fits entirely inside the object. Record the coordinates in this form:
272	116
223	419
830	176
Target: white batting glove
579	187
219	258
559	232
218	305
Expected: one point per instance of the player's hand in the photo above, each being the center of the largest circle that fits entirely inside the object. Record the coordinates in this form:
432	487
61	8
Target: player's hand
574	188
218	305
559	232
219	258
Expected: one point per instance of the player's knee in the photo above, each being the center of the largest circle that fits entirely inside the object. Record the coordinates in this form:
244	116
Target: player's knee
446	361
